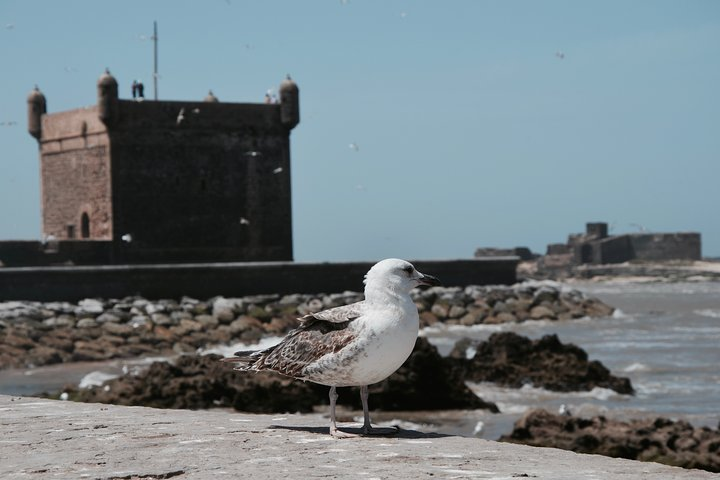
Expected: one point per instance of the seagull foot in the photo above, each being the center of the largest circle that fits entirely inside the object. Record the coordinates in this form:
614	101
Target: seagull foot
380	431
336	433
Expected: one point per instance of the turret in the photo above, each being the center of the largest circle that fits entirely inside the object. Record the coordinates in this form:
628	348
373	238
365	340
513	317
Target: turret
36	108
211	98
107	91
289	103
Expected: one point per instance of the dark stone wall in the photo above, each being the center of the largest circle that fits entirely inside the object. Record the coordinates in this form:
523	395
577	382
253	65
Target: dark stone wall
640	246
666	246
30	253
228	279
213	179
616	249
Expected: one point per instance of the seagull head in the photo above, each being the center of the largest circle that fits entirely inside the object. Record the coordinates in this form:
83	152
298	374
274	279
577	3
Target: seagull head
398	275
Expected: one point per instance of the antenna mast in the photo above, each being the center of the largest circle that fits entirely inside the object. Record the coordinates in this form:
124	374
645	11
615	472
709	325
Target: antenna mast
155	59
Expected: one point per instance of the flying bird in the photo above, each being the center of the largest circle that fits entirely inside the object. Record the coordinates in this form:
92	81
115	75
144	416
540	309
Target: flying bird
354	146
353	345
181	116
560	55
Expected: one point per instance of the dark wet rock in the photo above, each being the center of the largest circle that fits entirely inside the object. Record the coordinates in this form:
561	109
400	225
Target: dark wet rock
425	382
654	440
512	360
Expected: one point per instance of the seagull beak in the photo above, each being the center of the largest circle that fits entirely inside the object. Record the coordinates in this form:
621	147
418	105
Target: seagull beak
428	280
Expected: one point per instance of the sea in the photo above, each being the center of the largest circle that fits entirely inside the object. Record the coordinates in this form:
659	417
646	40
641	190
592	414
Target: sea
664	336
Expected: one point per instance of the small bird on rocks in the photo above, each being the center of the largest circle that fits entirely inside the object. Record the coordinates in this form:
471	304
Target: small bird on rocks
353	345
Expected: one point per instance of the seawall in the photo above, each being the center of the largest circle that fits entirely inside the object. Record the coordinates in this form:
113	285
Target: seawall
205	280
53	439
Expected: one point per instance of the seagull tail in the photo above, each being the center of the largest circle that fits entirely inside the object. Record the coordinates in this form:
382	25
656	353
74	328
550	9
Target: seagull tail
244	359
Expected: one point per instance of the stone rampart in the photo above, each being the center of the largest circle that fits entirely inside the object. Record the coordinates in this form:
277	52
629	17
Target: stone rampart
205	280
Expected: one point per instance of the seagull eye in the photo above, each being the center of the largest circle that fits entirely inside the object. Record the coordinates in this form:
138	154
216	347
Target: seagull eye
408	269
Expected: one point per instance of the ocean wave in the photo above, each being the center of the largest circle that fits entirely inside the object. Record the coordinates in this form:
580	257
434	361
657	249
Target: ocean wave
443	329
708	312
636	367
495	393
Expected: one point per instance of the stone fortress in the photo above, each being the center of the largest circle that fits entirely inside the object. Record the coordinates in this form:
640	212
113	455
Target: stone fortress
596	246
129	182
172	198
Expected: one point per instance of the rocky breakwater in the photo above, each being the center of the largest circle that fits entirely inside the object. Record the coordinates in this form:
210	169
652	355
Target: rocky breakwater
656	440
475	305
34	333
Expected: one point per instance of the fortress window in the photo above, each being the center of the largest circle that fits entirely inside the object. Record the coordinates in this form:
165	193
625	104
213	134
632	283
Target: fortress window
85	226
70	231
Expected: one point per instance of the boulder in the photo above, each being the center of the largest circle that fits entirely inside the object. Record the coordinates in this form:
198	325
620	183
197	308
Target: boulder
654	440
512	360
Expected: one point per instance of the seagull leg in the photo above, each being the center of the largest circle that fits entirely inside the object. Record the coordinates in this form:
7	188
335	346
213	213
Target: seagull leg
367	428
333	426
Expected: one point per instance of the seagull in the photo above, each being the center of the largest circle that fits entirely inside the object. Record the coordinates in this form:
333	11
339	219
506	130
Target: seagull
560	55
353	345
181	116
244	221
354	146
278	170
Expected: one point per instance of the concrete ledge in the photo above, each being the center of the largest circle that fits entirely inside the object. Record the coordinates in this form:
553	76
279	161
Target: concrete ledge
205	280
51	439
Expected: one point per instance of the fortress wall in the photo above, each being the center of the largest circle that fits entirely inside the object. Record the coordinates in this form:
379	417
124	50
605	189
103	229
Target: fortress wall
217	179
666	246
228	279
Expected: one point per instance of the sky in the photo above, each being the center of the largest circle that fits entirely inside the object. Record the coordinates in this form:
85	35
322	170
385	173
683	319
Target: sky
428	128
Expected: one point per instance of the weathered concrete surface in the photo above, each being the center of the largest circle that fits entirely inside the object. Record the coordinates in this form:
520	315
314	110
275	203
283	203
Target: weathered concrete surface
52	439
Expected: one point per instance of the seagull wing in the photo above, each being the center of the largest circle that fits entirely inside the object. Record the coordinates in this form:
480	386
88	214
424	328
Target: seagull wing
341	314
299	349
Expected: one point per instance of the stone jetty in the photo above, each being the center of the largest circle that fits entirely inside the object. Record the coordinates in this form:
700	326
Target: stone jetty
43	439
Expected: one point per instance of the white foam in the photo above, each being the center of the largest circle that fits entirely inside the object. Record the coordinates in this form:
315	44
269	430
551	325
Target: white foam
708	312
95	379
636	367
527	392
